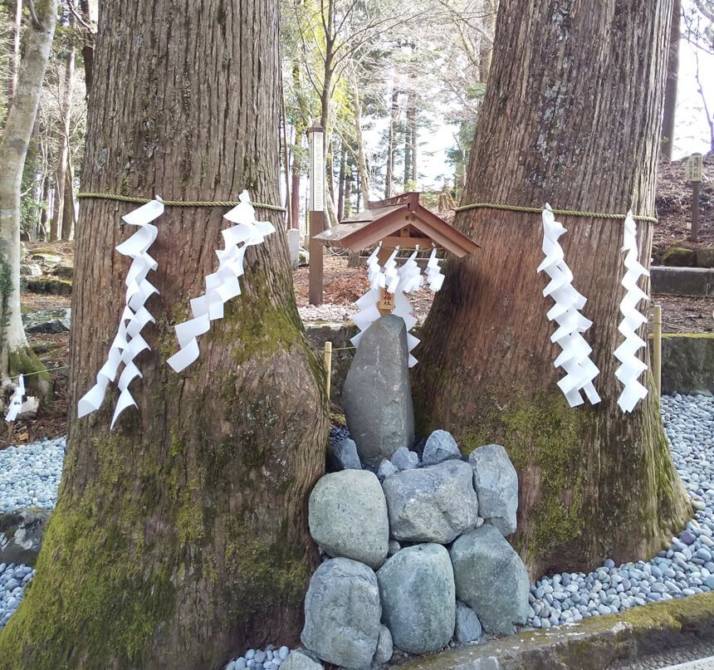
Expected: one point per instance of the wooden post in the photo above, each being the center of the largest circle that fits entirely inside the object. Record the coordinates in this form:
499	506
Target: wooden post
328	366
316	269
317	212
657	346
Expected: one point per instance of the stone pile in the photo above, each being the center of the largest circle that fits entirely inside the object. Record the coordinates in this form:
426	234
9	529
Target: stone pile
415	552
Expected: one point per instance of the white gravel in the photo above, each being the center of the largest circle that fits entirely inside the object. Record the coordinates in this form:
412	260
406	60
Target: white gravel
30	474
684	569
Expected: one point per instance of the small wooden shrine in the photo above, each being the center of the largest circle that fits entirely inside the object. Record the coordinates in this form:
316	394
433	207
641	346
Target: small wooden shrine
401	221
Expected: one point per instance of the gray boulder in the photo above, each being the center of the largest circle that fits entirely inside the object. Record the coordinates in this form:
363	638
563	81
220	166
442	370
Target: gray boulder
491	579
342	613
386	469
385	647
468	627
299	660
347	516
343	455
403	459
21	535
433	504
418	598
47	320
440	446
377	397
496	484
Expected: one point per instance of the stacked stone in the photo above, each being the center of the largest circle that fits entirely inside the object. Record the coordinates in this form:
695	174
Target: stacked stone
415	553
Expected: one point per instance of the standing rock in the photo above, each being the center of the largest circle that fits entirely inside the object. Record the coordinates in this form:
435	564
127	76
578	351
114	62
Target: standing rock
347	515
419	598
377	397
434	504
342	455
468	627
440	446
385	647
342	613
496	484
491	579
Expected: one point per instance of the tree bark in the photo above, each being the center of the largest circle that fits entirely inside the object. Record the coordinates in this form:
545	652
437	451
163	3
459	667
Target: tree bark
581	133
362	168
64	228
485	51
68	211
180	537
15	355
670	91
14	64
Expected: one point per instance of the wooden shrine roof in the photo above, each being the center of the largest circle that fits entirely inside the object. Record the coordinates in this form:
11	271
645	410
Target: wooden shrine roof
399	221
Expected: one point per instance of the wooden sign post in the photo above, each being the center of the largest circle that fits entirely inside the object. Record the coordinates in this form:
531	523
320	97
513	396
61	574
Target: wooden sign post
317	212
695	167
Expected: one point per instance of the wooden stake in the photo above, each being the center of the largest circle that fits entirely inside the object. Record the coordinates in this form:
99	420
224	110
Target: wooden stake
328	366
694	233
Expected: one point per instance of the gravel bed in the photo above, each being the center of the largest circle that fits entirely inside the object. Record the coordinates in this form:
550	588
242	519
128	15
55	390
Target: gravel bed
13	579
684	569
30	474
270	658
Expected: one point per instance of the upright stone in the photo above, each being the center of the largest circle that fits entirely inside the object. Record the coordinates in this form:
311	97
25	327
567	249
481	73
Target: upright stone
496	484
342	614
491	579
441	446
347	516
418	598
377	397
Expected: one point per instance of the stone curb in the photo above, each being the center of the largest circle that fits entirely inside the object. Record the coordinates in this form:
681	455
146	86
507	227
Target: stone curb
682	281
594	644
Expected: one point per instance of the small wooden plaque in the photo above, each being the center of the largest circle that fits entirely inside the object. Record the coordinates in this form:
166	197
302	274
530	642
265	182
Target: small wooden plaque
386	302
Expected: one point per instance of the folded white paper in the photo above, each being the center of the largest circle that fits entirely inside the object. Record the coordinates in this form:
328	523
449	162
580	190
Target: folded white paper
631	366
128	343
224	283
399	282
15	403
575	356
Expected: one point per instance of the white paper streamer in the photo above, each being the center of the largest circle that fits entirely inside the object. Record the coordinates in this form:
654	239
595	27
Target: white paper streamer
399	282
575	357
15	403
434	276
224	283
631	366
128	343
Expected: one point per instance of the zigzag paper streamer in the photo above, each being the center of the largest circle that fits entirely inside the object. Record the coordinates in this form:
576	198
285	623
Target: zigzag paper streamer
399	282
434	276
128	343
224	283
632	367
575	357
15	403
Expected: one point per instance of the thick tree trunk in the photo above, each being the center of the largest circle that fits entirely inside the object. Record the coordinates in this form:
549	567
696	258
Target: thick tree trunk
68	211
670	91
15	355
180	538
14	64
582	133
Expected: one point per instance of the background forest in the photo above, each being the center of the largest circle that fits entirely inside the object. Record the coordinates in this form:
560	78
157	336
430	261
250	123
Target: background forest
397	87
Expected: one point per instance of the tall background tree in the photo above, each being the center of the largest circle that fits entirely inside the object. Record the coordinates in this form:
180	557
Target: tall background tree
183	531
16	357
582	133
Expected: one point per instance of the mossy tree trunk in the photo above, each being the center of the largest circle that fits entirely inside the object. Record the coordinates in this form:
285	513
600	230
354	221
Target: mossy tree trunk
180	538
571	116
16	357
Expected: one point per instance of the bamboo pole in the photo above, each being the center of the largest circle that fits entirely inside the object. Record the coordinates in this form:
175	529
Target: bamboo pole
328	365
